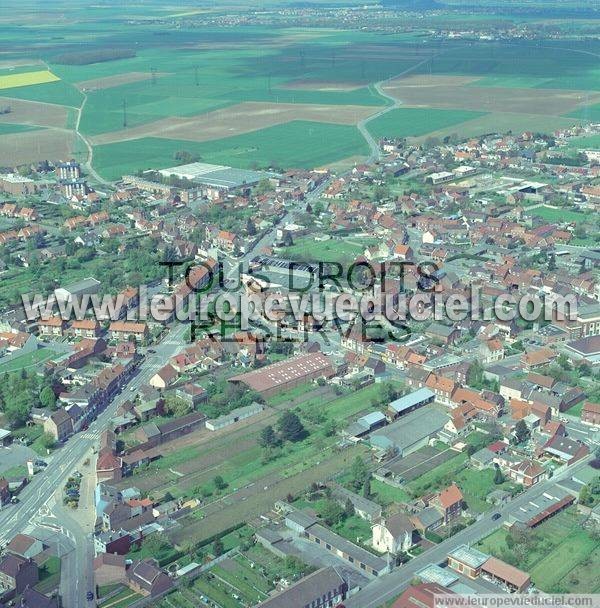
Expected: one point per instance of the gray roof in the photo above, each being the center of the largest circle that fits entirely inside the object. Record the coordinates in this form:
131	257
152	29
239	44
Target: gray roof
358	553
360	503
484	456
470	556
301	518
307	590
429	516
539	504
412	399
434	574
410	429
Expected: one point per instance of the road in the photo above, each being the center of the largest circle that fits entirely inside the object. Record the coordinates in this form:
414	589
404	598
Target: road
390	585
396	103
38	504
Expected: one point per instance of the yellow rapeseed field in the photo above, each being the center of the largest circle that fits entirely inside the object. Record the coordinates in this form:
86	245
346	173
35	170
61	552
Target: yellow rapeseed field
10	81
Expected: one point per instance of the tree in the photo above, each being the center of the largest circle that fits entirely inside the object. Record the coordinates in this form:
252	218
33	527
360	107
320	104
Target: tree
359	473
349	508
332	513
250	228
177	407
290	427
267	438
288	241
521	433
47	440
585	495
498	476
219	482
552	262
367	487
48	398
218	547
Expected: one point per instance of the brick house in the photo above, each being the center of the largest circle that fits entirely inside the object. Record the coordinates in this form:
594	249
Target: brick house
52	326
146	578
590	413
85	328
18	573
449	502
59	424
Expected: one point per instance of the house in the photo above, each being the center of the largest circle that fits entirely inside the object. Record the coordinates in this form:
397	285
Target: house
566	449
18	573
113	542
324	588
145	577
538	358
59	424
590	413
363	507
467	560
85	328
449	502
127	330
109	569
25	546
164	377
395	534
30	598
424	595
51	326
527	472
442	333
193	394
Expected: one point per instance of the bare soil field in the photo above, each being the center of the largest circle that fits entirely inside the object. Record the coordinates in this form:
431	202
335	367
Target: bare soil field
34	146
487	99
33	113
114	81
321	85
238	119
427	80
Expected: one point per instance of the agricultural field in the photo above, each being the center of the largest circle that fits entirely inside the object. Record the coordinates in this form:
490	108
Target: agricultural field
240	95
560	215
24	79
412	122
332	250
561	556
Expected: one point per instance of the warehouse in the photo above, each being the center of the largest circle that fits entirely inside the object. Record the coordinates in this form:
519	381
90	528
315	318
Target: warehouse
241	413
412	432
284	375
411	402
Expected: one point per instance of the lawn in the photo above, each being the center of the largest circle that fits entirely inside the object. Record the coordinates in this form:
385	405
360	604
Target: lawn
298	144
49	575
476	485
122	599
385	494
439	477
412	122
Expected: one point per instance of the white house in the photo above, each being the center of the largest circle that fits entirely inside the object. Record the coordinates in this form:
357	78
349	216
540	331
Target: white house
394	534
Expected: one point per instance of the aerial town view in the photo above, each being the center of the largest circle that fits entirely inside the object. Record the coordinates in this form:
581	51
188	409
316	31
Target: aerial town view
299	303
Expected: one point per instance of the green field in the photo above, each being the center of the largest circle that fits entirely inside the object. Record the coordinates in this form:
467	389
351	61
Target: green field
7	128
412	122
561	556
332	250
560	215
32	359
299	144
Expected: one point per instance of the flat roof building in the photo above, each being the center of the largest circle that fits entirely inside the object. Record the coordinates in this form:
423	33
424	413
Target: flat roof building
411	402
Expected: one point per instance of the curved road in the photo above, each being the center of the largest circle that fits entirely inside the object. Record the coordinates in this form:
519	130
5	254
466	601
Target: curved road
396	103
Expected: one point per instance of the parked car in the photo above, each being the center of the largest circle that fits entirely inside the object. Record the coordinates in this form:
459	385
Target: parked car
496	516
